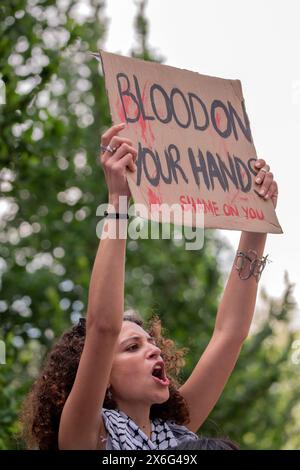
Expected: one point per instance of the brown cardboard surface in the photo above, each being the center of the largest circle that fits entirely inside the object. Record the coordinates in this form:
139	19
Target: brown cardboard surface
194	144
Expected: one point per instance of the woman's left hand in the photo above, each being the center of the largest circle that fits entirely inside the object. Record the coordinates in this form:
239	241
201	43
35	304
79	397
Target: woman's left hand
268	188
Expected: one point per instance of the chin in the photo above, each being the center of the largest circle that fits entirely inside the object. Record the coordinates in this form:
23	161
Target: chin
162	398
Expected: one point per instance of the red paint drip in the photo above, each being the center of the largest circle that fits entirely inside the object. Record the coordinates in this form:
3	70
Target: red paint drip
153	197
143	128
151	135
127	104
142	122
120	110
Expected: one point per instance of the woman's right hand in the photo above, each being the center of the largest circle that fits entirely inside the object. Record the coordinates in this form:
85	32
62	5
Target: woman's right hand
115	164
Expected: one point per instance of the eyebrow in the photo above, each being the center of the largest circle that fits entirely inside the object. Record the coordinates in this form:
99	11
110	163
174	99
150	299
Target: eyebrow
138	338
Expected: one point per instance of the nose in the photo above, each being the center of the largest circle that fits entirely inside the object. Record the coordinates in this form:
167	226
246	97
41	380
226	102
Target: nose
154	351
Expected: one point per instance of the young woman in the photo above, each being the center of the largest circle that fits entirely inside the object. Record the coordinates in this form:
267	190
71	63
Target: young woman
110	383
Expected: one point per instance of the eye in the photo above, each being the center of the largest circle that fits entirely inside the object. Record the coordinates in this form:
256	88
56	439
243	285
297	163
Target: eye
132	347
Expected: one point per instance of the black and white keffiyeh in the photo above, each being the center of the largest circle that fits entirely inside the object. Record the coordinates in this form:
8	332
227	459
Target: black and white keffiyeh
124	434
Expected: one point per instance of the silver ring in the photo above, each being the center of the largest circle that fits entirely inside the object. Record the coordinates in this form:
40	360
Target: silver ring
265	169
108	148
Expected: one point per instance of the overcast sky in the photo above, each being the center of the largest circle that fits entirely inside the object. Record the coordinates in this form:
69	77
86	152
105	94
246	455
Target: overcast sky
257	42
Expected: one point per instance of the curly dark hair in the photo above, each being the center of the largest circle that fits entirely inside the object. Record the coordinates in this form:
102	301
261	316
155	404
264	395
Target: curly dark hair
42	408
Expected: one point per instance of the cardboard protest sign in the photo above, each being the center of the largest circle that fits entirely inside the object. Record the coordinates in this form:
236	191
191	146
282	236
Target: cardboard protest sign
194	143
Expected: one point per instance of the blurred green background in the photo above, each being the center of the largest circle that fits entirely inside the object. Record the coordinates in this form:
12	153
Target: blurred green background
51	184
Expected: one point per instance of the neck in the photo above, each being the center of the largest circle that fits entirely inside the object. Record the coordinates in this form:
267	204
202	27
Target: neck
140	414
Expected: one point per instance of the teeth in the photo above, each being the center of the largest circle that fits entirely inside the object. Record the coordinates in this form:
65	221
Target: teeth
158	371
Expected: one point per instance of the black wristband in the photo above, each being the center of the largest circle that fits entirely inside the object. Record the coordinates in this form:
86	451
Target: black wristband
115	215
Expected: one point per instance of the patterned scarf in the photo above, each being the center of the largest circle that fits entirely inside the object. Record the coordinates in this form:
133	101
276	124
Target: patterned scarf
126	435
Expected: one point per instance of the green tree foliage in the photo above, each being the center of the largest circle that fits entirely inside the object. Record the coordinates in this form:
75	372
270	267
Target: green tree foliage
51	184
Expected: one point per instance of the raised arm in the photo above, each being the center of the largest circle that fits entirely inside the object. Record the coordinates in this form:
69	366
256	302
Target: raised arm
81	421
235	313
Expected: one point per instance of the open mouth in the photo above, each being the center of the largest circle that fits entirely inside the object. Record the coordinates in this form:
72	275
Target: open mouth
158	373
